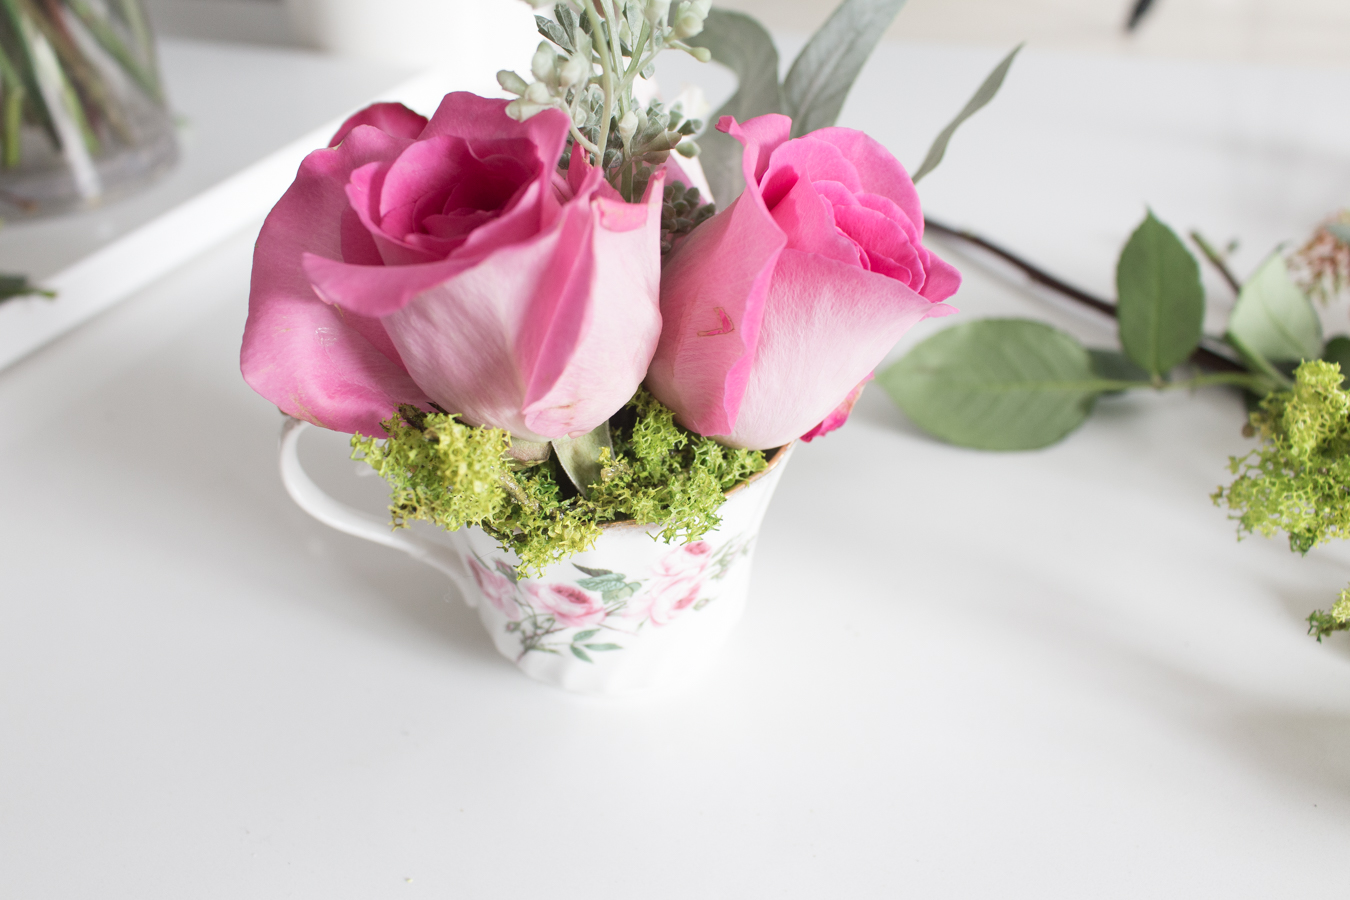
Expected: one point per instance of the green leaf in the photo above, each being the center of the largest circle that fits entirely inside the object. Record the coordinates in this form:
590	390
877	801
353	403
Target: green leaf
589	571
1274	318
1340	231
1115	366
623	592
741	44
584	635
1337	350
603	647
822	74
19	286
997	384
1161	304
580	654
551	30
982	96
580	457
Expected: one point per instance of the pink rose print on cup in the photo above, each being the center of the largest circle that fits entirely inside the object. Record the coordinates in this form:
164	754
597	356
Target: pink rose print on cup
500	590
677	581
571	606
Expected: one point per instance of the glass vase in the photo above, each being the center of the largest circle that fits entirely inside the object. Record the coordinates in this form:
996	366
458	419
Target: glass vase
82	111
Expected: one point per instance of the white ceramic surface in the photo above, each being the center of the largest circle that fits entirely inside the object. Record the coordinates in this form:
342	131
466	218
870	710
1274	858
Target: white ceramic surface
476	36
631	614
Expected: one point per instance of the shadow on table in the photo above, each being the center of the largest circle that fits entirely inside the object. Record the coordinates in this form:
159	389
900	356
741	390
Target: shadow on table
184	459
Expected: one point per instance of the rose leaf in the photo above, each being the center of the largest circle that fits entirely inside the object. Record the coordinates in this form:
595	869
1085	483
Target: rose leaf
998	384
1161	304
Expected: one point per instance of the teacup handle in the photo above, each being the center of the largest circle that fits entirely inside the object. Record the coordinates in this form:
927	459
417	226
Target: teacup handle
312	499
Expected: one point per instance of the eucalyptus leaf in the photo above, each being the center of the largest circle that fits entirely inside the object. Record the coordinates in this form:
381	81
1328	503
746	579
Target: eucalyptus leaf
1273	317
741	44
822	74
554	32
580	457
1161	304
1340	231
982	96
997	384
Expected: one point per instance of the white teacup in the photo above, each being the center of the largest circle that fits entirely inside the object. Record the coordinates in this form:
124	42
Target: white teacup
631	614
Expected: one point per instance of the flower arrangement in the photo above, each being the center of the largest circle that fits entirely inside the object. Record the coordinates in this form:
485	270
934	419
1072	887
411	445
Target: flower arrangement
532	319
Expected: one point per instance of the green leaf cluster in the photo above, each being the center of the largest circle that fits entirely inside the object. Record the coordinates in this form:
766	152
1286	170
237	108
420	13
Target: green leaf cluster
444	471
1017	384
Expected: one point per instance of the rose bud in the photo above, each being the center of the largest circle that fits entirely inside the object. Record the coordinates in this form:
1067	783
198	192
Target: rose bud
449	262
777	308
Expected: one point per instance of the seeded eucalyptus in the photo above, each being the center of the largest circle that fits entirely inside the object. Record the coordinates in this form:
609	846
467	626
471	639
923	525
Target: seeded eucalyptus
588	66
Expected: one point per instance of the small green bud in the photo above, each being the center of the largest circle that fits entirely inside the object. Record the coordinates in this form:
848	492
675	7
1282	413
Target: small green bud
511	82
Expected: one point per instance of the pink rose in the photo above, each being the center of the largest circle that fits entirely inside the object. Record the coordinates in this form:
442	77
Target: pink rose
497	588
571	606
778	307
449	261
677	582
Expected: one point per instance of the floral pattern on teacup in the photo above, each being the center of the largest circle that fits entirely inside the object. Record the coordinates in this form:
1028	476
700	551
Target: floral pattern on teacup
499	589
676	584
556	617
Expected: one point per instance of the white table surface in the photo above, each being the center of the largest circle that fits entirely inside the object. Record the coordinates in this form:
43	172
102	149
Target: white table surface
1041	675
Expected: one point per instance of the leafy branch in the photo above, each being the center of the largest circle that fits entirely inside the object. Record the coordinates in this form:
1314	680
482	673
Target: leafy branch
1009	384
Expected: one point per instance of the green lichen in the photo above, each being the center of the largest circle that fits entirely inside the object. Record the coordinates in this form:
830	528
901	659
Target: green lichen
443	471
1298	482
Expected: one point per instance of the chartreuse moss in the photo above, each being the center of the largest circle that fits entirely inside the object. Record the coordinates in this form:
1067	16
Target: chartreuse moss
443	471
1299	481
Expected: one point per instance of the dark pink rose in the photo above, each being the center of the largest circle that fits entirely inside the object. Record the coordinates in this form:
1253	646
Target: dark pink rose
449	261
676	583
497	588
570	605
775	309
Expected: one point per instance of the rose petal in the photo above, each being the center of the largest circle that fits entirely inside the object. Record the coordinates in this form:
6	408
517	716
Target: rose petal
392	118
826	325
317	362
878	171
839	415
712	297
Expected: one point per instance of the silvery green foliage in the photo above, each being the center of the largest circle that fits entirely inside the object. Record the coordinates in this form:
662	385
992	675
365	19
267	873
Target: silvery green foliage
816	85
594	53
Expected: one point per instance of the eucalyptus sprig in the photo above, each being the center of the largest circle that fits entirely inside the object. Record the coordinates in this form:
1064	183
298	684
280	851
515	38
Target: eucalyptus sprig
588	67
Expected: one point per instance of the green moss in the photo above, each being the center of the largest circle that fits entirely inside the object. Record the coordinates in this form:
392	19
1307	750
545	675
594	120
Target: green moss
443	471
1298	482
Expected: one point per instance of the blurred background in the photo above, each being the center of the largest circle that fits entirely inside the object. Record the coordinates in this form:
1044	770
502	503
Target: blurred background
1302	32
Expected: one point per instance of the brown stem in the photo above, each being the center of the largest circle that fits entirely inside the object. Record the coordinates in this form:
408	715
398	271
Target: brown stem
1201	357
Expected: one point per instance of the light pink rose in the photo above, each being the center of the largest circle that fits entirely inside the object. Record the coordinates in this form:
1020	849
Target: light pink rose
497	588
570	605
676	583
450	261
776	308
